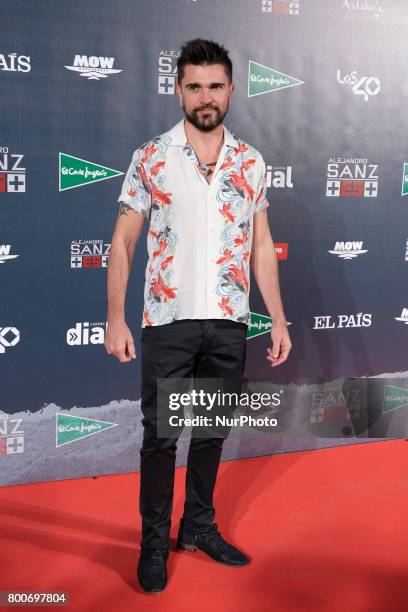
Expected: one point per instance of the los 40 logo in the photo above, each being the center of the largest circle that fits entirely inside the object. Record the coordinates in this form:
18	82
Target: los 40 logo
365	86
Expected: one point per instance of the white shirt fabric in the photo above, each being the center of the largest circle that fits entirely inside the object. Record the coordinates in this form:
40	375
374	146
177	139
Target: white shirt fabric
200	234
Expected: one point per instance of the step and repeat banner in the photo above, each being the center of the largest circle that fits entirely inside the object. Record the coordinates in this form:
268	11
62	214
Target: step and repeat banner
321	89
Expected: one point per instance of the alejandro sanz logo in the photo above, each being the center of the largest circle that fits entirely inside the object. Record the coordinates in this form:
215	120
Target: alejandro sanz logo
93	67
88	254
351	177
11	435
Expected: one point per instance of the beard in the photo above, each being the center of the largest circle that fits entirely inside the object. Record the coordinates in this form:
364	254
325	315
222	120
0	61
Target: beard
206	122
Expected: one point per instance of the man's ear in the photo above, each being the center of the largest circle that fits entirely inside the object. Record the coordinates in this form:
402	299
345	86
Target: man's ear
178	92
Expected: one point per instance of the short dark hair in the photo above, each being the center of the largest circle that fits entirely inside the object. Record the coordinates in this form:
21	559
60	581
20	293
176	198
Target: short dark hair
200	52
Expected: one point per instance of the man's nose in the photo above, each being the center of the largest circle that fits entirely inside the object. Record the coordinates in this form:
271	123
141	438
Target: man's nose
206	96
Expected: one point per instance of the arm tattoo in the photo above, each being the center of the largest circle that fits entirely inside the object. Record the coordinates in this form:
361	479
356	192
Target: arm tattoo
124	208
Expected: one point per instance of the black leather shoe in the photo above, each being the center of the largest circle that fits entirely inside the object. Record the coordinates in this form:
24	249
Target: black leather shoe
152	571
210	543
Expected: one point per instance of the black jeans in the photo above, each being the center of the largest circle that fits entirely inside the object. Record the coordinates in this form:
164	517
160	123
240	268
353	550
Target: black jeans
199	348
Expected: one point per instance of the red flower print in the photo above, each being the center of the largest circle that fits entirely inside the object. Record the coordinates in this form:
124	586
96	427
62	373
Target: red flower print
162	290
225	211
166	262
227	255
224	305
238	276
161	249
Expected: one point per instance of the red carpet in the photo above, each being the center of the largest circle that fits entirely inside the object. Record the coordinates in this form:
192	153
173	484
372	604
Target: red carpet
326	530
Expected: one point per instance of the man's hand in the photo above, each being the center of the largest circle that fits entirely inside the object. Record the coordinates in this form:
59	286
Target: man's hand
281	344
119	342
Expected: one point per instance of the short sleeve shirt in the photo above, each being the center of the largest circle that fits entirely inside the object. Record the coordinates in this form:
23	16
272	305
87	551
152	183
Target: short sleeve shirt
200	234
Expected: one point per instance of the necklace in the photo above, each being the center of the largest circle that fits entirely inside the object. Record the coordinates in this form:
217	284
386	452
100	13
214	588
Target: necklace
205	168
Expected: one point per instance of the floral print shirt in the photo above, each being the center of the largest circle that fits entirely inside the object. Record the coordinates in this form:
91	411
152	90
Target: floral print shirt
200	234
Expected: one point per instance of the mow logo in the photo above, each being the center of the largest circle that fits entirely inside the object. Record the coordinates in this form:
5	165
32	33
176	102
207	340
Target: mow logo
279	177
404	189
403	317
282	7
93	67
348	250
9	336
89	254
11	435
5	253
349	177
262	79
361	86
77	172
394	398
167	72
12	175
86	333
70	428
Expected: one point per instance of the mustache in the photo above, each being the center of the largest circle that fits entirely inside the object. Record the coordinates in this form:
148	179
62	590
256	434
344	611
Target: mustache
206	108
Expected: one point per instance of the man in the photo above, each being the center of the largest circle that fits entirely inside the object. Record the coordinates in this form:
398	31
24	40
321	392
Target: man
203	192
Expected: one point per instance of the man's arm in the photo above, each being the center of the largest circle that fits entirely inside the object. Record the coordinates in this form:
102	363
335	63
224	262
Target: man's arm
264	265
129	224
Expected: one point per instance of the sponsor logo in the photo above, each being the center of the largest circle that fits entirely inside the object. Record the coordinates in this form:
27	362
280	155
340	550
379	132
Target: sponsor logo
366	6
342	321
406	251
329	405
14	63
12	174
88	254
348	250
394	398
404	189
403	317
361	86
77	172
5	253
281	7
279	177
262	79
281	250
86	333
167	72
93	67
351	178
11	435
70	428
9	336
259	324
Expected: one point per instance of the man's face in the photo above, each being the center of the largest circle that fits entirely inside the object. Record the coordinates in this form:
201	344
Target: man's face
205	95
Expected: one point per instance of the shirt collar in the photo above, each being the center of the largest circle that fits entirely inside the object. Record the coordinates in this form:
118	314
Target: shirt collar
179	138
